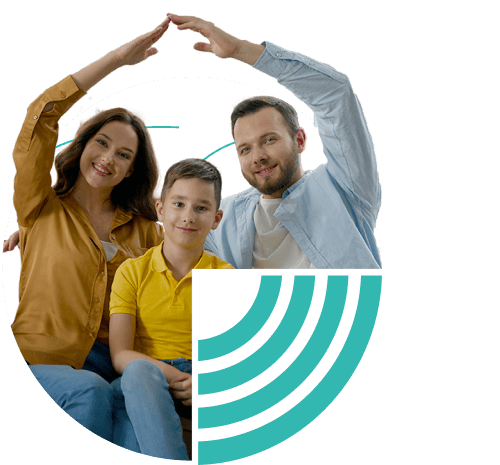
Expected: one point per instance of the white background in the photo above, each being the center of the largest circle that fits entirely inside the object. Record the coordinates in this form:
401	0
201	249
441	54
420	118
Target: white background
201	107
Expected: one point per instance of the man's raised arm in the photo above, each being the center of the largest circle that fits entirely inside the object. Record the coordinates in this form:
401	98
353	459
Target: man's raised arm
221	44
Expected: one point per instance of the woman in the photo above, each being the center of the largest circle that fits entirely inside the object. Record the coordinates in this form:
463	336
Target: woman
73	236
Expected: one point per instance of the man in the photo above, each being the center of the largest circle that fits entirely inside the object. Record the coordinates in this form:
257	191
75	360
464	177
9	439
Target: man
289	218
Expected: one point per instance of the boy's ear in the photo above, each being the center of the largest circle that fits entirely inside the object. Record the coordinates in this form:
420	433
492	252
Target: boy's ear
218	218
159	209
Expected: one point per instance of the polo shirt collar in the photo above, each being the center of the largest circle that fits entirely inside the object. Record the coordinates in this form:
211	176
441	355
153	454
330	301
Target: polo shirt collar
159	264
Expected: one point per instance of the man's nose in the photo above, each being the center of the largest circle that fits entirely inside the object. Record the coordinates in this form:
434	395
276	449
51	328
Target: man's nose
259	155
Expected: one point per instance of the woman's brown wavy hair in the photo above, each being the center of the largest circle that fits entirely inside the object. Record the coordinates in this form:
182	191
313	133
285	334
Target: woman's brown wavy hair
134	194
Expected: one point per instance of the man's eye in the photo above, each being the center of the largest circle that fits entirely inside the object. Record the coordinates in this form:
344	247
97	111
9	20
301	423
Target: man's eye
270	139
201	208
244	151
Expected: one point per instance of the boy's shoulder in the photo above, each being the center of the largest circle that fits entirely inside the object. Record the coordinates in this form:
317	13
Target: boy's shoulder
138	264
211	261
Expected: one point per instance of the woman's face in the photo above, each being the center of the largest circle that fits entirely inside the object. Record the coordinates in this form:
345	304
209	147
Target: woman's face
109	155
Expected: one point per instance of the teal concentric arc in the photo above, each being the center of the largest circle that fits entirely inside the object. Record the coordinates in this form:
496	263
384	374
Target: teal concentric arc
267	436
219	149
149	127
271	350
248	326
295	374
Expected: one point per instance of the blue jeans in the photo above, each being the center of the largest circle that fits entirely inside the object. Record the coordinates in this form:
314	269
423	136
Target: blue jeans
142	397
94	398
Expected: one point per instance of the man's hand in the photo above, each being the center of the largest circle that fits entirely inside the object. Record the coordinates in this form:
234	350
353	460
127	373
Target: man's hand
221	43
11	242
180	388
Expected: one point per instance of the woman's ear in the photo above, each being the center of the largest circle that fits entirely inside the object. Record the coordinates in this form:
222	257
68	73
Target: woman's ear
130	171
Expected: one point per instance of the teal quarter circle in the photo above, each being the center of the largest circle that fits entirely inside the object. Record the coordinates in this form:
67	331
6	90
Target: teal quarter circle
267	436
295	374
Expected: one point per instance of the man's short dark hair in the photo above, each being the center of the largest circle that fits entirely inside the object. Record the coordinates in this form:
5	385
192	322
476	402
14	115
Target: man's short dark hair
193	168
255	104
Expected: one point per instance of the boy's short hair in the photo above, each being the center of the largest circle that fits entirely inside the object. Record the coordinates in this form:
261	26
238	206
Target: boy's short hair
255	104
193	168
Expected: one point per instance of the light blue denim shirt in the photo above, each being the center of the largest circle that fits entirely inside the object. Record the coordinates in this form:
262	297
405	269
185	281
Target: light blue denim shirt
331	211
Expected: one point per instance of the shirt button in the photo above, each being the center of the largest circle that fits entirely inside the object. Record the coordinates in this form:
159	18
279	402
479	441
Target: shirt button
97	299
35	117
278	54
63	94
177	292
113	237
103	273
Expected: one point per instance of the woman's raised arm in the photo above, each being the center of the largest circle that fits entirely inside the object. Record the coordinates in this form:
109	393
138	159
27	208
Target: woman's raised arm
131	53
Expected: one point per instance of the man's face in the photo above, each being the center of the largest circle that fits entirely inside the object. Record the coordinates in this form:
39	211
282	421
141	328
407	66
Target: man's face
269	157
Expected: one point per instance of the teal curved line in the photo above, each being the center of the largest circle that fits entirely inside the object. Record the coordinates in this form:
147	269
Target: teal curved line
295	374
223	147
271	350
149	127
253	442
248	326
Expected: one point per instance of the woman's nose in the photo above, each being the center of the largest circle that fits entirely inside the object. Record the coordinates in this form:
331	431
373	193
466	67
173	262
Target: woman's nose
107	157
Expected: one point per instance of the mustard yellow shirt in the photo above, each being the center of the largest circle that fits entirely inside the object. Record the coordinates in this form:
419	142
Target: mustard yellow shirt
145	287
65	279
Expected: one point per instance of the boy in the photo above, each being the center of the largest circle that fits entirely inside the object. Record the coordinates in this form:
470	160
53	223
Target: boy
150	307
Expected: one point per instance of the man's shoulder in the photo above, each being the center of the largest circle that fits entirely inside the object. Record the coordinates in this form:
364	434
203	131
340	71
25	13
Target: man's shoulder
241	197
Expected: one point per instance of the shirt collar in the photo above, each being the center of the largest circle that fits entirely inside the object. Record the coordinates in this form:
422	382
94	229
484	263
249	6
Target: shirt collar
159	264
120	216
295	185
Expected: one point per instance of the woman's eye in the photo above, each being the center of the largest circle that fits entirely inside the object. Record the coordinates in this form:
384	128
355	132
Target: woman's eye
101	141
124	155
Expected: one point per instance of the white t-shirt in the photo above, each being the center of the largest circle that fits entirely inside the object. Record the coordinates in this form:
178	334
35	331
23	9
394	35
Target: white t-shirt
274	246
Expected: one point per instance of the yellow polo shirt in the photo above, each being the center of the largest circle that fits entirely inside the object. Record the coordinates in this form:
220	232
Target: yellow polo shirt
145	287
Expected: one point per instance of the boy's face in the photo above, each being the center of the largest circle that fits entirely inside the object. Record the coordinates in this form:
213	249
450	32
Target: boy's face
188	212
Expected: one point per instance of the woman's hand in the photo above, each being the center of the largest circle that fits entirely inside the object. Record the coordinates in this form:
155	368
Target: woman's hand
11	242
129	54
141	48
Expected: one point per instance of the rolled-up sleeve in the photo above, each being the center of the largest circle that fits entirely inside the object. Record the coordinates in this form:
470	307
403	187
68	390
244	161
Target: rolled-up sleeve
35	148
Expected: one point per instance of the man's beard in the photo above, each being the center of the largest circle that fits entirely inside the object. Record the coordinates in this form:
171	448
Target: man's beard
269	187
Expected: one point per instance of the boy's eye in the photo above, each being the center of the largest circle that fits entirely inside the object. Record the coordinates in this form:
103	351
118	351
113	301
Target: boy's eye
178	204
